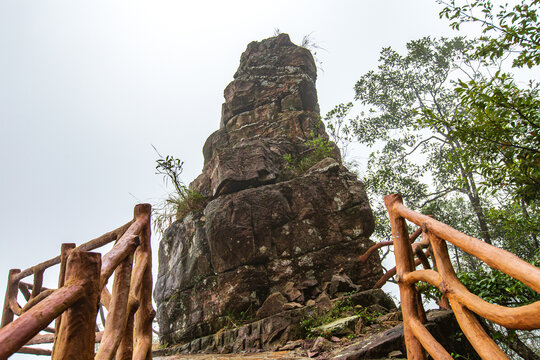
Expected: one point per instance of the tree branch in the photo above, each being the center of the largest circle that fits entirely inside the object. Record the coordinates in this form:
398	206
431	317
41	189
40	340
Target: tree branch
438	195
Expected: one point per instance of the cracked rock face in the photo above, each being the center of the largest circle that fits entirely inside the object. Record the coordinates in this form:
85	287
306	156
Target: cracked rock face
262	228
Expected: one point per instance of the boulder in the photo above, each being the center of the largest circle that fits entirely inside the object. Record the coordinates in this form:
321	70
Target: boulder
340	283
323	302
272	305
266	224
339	327
292	293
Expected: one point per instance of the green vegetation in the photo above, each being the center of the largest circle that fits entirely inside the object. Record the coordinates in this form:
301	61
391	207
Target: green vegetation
414	109
515	29
340	309
319	148
458	356
498	288
179	203
504	118
237	319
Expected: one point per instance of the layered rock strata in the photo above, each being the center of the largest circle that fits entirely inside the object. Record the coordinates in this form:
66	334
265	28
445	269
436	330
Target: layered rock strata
267	227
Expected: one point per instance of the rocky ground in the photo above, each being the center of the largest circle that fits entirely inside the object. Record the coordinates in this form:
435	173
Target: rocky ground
258	356
284	355
344	331
382	340
319	348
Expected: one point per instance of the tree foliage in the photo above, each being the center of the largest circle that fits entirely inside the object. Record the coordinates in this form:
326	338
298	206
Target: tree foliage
504	119
458	137
510	29
451	136
498	288
418	158
492	286
502	128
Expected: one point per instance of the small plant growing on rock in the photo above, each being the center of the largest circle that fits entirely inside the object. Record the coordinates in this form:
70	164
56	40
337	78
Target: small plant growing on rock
179	203
313	46
319	148
340	309
235	320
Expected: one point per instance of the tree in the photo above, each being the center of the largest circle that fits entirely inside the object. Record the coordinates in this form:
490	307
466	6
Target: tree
437	147
503	125
502	128
515	30
467	160
397	98
458	137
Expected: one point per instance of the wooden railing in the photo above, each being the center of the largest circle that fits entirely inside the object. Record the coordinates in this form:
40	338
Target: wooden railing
81	292
464	304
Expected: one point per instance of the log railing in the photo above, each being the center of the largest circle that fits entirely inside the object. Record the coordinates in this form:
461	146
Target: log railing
466	306
81	291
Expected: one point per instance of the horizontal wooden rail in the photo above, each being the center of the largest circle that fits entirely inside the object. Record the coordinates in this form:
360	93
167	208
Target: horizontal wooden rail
74	305
371	250
491	255
34	351
465	304
17	333
88	246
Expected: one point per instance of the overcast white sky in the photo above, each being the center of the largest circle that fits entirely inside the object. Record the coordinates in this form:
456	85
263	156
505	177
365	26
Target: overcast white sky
87	86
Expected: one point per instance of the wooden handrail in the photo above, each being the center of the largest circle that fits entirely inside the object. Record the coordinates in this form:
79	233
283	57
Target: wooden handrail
17	333
491	255
83	277
88	246
117	316
464	304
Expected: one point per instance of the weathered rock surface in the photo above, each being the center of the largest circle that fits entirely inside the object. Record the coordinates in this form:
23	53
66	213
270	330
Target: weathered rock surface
272	305
382	340
270	333
266	229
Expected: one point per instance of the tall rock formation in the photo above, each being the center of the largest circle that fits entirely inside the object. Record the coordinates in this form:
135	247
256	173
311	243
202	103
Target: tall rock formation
267	227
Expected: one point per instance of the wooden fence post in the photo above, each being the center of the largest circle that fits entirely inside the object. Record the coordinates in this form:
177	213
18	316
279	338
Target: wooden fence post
117	316
473	330
76	335
65	250
125	349
404	264
38	281
142	328
12	288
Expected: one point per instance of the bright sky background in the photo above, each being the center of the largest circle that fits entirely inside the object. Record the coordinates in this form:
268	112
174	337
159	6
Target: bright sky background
87	86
